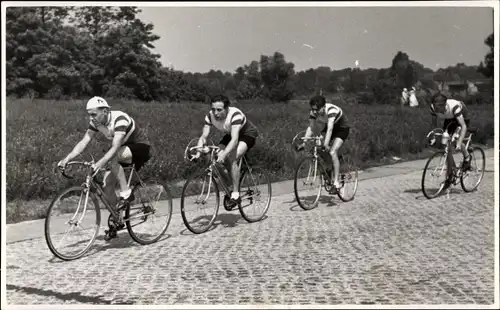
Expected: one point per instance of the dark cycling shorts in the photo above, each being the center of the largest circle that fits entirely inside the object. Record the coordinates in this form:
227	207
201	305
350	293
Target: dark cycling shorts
248	139
338	131
140	154
452	125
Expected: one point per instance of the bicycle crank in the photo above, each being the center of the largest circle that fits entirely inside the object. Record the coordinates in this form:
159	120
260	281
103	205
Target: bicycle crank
114	227
228	205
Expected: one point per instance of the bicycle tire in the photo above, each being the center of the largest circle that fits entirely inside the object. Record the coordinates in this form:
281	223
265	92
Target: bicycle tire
255	171
48	238
296	182
351	170
183	203
146	205
467	190
427	195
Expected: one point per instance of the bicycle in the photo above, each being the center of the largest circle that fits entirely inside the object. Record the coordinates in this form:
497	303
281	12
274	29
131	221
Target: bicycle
316	170
454	173
74	202
253	183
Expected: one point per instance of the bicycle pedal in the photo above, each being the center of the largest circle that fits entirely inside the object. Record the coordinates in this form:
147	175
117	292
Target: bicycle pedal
333	191
108	235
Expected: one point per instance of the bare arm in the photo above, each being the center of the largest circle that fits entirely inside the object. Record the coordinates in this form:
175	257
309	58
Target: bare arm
205	132
80	146
309	131
115	145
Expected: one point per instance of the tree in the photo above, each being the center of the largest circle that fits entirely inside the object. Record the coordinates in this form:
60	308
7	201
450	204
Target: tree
402	71
306	82
122	43
253	75
42	54
276	75
245	90
486	68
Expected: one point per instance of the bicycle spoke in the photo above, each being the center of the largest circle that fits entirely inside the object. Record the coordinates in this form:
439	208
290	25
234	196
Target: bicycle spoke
470	179
65	206
199	203
307	174
148	219
255	189
434	176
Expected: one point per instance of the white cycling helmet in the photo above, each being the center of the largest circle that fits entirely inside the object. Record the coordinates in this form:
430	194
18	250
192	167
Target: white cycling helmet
97	102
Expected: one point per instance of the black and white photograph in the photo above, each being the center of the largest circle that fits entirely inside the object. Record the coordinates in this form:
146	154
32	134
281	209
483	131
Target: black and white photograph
250	155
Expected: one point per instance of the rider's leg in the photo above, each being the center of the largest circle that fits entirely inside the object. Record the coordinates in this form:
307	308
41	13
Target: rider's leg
109	187
124	156
449	126
245	143
234	158
337	143
465	152
339	135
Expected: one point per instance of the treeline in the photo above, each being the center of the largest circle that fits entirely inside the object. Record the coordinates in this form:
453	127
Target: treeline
77	52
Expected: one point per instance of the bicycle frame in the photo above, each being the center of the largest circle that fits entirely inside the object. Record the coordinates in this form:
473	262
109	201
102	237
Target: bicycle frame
213	168
315	154
450	161
91	185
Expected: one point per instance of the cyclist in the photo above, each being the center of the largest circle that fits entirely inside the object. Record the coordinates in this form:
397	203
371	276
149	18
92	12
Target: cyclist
336	129
240	136
129	145
455	114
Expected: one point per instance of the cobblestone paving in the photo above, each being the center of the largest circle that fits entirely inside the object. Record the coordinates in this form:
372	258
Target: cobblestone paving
389	245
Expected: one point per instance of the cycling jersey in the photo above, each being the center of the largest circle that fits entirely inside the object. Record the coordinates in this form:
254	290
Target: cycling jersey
453	109
121	122
234	117
330	111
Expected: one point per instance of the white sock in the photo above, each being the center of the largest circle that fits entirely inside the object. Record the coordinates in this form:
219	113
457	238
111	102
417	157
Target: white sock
235	195
126	194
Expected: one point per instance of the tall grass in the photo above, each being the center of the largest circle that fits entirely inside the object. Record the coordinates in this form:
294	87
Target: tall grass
40	133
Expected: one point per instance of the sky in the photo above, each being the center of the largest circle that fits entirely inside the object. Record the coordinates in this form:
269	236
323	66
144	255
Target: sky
198	39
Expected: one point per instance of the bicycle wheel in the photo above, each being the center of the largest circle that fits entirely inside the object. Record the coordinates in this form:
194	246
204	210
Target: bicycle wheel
199	192
148	216
255	193
440	170
477	166
75	209
348	179
308	174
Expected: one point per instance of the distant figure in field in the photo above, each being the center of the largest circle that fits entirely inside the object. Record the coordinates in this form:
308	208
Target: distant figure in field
413	98
404	97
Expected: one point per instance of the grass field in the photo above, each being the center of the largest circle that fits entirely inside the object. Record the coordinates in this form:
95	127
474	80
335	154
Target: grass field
40	133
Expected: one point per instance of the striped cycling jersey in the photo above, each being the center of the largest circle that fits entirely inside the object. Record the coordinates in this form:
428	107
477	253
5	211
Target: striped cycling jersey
330	111
453	109
121	122
234	117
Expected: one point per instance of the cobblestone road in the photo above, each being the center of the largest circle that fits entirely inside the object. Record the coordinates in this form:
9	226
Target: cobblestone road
388	246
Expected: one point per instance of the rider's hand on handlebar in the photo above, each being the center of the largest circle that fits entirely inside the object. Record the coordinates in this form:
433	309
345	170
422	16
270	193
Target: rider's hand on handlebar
61	164
195	156
300	147
96	167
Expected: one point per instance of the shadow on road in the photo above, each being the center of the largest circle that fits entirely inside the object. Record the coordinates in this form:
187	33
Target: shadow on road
324	200
453	191
226	220
76	296
121	242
